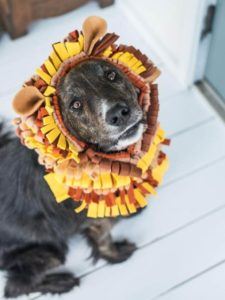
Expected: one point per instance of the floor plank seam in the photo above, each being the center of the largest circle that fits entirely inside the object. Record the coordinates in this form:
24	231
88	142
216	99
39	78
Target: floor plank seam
186	225
190	279
188	174
192	127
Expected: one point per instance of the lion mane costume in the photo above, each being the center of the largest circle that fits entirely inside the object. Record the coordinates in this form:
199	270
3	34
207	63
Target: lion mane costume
105	184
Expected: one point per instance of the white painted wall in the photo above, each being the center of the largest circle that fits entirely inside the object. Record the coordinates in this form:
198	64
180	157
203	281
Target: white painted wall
172	28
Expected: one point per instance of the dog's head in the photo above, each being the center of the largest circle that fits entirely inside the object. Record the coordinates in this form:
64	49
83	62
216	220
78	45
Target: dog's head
94	92
100	106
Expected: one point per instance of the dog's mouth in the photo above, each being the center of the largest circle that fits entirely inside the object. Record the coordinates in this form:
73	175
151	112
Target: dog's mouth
130	136
131	131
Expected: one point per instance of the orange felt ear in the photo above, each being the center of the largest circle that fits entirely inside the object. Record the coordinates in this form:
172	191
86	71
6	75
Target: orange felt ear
93	29
27	101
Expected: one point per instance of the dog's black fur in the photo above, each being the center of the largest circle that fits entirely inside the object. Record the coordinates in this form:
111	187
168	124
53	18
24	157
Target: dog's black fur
34	229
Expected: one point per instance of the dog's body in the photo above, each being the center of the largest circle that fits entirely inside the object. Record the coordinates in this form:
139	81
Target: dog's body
34	229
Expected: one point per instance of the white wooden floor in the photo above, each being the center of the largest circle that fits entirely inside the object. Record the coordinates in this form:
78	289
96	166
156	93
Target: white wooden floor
181	235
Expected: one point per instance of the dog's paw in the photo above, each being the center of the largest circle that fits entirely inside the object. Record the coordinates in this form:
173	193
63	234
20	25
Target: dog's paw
13	290
58	283
17	286
120	252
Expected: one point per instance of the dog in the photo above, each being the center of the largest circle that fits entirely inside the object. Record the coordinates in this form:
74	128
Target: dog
99	105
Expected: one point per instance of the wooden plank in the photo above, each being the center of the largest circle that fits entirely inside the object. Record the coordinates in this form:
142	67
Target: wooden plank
195	148
183	110
207	286
157	267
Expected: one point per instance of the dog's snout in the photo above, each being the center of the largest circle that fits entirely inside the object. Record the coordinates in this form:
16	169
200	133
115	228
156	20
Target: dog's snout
118	115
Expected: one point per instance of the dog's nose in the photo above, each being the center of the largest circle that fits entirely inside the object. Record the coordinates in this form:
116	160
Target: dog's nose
118	115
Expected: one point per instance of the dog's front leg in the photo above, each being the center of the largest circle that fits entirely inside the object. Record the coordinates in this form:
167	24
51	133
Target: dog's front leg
100	239
27	268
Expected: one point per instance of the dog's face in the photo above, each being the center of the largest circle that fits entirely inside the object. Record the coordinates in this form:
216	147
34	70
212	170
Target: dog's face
99	105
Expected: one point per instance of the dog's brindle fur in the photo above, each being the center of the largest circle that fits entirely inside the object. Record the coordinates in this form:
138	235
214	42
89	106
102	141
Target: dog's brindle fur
101	100
34	229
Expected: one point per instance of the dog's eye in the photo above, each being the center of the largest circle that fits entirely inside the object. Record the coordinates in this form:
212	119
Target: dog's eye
111	75
75	105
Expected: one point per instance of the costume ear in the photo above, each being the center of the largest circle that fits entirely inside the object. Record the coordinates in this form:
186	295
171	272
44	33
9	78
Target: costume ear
93	29
27	101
